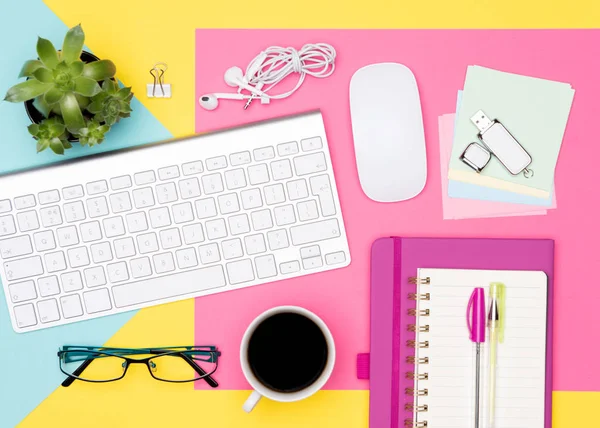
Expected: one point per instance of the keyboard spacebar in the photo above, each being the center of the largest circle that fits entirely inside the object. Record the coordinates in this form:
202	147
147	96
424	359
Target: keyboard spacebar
149	290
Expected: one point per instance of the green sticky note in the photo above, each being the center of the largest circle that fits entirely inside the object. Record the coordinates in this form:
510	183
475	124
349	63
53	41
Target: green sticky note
535	111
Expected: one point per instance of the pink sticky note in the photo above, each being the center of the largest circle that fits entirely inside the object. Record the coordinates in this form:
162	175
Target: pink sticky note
454	208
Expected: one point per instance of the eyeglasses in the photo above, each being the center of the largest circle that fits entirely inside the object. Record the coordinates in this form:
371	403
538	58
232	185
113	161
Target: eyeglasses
176	364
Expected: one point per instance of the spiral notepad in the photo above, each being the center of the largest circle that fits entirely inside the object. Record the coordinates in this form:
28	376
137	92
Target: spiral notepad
443	364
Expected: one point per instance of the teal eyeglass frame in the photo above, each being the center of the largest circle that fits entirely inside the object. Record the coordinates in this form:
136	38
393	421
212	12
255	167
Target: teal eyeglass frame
87	354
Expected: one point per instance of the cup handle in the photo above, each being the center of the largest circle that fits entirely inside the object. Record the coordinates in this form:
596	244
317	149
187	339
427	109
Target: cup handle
252	401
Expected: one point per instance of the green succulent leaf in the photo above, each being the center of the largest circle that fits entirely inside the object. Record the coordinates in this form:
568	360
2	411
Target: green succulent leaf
66	144
57	129
123	93
71	113
93	133
125	107
47	52
42	145
42	106
76	68
110	86
86	86
53	96
95	106
43	75
73	43
33	129
82	100
57	146
103	129
100	70
29	67
26	90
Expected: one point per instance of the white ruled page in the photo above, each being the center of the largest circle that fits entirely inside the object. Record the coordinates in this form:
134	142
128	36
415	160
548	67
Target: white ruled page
521	364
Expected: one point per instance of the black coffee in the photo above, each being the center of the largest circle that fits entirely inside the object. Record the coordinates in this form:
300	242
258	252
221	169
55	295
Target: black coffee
287	352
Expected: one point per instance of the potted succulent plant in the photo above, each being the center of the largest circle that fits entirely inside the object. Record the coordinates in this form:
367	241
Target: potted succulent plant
70	95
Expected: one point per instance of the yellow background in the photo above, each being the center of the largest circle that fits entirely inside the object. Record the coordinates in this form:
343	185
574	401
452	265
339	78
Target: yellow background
138	33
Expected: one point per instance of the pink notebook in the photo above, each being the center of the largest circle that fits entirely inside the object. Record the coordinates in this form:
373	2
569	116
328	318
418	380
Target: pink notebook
393	262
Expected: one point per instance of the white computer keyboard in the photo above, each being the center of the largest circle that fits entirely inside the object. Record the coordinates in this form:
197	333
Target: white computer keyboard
135	228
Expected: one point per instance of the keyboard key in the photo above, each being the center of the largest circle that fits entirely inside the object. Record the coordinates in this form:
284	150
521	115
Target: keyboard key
44	240
15	247
97	301
251	199
101	252
265	266
218	162
7	225
67	236
189	188
309	144
216	229
74	211
97	207
113	226
212	183
48	286
143	198
25	315
159	217
192	234
206	208
264	153
73	192
122	182
120	202
179	284
55	262
258	174
297	189
255	244
312	251
51	216
284	215
281	169
313	232
232	249
71	306
182	213
307	210
274	194
140	268
192	168
24	202
170	238
312	262
94	277
146	177
238	224
23	268
289	267
286	149
163	262
97	187
335	258
78	257
240	271
261	220
186	258
309	164
22	291
209	253
71	281
48	310
28	221
5	206
45	198
90	232
321	187
124	247
147	243
168	173
278	239
235	179
228	203
136	222
117	272
240	158
166	193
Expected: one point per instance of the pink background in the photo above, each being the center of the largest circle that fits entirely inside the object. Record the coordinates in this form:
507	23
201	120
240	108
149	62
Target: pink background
438	59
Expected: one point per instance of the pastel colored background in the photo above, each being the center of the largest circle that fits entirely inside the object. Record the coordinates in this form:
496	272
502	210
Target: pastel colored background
137	33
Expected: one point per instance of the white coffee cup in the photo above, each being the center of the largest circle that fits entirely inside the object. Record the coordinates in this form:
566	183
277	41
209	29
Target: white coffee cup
261	390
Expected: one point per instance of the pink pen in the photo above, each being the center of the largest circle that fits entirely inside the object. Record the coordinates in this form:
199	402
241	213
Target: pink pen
476	321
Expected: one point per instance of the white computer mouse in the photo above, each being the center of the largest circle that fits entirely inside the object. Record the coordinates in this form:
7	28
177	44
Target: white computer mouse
387	124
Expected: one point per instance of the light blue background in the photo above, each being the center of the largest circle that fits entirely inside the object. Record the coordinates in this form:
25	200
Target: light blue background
28	362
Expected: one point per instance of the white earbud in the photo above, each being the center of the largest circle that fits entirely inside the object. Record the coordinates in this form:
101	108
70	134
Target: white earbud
234	77
211	101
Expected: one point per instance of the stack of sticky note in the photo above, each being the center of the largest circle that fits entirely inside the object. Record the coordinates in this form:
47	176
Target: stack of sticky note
535	111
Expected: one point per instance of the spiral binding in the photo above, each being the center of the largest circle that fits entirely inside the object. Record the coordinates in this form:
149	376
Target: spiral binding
422	329
413	280
415	296
419	376
413	312
409	423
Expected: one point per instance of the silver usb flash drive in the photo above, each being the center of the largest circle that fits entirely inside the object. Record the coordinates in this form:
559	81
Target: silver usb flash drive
502	144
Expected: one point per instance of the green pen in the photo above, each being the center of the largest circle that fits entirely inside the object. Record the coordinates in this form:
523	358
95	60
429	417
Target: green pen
496	320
